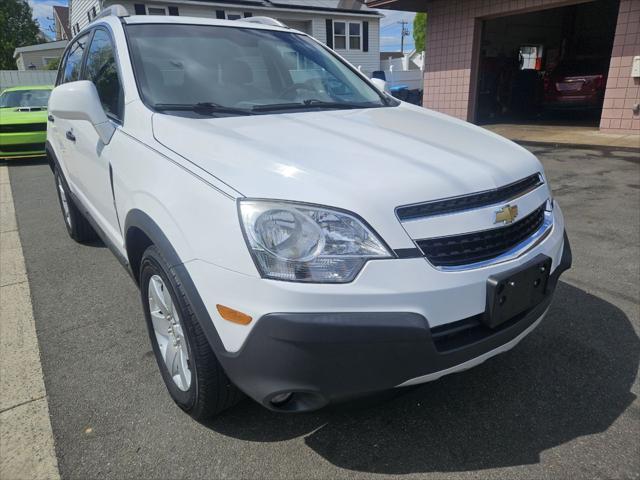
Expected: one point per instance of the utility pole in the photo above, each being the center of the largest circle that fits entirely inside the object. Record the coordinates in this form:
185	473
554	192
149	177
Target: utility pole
404	32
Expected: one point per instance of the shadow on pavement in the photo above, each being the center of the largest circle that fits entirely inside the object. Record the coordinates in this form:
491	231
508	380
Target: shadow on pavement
571	377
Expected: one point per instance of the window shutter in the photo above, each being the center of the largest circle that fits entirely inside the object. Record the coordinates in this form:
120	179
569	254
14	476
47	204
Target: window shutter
329	41
248	14
220	14
173	11
139	9
365	36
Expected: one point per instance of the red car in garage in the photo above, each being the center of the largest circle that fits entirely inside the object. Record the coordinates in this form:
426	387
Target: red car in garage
576	84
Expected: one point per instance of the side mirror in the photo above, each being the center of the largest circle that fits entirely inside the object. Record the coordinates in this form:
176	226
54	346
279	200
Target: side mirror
80	101
379	84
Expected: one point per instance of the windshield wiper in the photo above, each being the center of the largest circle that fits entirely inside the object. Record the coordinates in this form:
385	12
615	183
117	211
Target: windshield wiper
311	103
204	108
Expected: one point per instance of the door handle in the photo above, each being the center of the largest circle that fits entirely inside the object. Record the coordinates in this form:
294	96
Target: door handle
70	136
50	118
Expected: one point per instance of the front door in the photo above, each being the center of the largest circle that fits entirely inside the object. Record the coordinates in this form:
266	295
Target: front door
93	165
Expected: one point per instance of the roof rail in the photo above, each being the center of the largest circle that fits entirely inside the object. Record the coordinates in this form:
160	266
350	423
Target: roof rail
272	22
116	10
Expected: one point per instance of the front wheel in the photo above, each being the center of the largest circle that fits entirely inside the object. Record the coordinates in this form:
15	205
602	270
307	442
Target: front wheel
190	370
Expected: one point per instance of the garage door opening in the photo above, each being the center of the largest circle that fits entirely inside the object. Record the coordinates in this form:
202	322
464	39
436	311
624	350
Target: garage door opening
546	67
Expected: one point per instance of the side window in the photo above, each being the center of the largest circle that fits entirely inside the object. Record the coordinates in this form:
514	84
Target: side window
73	60
102	70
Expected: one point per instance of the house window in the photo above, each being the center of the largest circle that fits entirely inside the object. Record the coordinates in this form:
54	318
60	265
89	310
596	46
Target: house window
347	35
355	36
46	60
339	35
234	15
156	10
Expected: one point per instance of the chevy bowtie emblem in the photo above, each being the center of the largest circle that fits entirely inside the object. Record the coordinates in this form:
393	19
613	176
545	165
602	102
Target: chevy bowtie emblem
507	214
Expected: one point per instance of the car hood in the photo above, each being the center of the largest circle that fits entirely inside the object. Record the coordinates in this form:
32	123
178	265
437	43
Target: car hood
382	157
13	116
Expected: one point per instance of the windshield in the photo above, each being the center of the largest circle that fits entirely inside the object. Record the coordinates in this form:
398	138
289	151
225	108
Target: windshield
24	98
232	70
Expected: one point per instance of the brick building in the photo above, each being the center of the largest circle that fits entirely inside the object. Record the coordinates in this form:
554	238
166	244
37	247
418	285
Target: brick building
464	37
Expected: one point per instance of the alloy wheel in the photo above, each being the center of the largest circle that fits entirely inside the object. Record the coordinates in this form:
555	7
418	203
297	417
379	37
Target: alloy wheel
169	333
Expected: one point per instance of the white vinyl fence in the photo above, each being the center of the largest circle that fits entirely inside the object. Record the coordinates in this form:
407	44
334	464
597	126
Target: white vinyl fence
411	78
14	78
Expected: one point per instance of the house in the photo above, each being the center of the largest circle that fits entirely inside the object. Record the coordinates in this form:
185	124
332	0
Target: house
472	46
415	60
347	26
61	22
36	57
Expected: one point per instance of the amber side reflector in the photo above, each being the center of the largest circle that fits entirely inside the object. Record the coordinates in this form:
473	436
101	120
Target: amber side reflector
232	315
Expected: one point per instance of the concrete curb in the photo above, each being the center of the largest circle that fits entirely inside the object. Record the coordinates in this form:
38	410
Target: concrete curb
604	148
26	438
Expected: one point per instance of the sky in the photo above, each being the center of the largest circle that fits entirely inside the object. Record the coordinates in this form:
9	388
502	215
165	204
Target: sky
389	26
43	14
390	31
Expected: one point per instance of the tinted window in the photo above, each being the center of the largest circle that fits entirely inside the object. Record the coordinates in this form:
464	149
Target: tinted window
73	63
25	98
102	70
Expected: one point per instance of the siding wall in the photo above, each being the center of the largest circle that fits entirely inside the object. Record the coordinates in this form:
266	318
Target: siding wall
78	12
623	91
36	58
368	61
455	27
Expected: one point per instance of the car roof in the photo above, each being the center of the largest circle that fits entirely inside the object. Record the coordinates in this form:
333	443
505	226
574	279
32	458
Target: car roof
28	87
182	20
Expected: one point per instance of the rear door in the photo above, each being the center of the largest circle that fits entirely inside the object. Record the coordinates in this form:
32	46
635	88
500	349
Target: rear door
62	131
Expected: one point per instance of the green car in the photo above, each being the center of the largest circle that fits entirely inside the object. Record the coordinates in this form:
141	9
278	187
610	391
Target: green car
23	121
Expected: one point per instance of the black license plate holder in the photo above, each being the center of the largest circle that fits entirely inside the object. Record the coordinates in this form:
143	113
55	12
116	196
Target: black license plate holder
515	291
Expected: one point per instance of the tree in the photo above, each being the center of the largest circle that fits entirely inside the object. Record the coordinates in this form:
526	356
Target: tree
52	64
17	29
419	31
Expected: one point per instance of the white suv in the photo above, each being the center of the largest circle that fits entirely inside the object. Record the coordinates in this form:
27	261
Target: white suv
296	233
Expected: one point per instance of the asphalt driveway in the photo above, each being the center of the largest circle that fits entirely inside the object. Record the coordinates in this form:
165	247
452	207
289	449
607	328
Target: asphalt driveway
563	404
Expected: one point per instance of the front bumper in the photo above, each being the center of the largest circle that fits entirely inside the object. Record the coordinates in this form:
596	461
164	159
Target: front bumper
22	144
329	357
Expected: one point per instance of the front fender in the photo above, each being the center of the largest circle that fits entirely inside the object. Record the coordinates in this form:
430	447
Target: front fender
137	220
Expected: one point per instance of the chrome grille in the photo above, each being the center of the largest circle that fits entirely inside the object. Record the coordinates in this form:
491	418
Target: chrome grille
474	200
23	127
470	248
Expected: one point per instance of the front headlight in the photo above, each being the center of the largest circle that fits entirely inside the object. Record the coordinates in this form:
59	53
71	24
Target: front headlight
307	243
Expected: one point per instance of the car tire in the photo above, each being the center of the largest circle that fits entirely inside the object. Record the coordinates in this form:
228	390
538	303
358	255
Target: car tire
208	390
77	225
